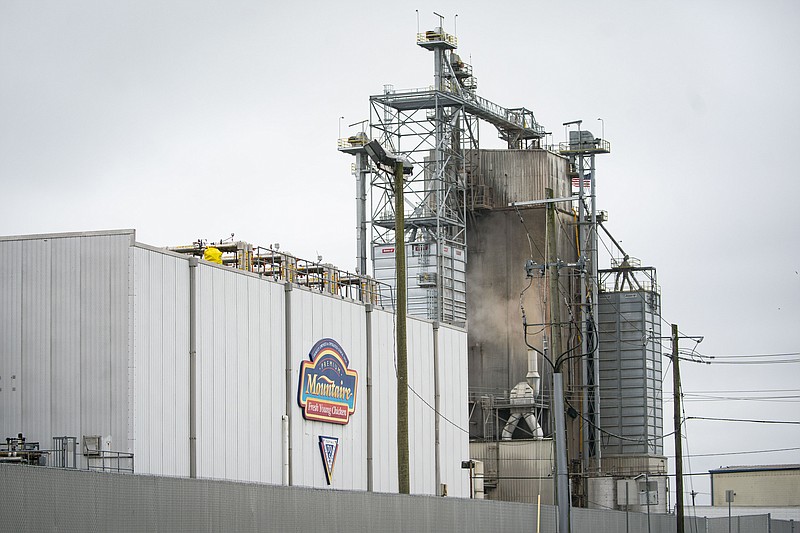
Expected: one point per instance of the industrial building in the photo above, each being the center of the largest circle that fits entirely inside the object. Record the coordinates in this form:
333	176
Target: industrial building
756	486
121	356
535	375
505	240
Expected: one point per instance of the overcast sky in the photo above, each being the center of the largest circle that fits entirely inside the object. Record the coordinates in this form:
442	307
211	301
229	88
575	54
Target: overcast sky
198	119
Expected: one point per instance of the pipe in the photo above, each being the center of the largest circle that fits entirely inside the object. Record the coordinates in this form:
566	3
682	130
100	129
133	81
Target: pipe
289	397
533	423
533	377
595	320
437	408
362	168
534	380
511	424
562	477
285	435
370	471
193	367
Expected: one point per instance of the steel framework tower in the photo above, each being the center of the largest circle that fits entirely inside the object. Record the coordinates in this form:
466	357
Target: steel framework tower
581	149
436	129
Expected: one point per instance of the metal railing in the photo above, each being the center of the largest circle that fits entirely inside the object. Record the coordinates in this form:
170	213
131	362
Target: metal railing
601	146
64	453
435	37
280	266
322	277
106	461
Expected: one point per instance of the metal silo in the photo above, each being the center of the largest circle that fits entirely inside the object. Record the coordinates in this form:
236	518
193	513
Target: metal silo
630	365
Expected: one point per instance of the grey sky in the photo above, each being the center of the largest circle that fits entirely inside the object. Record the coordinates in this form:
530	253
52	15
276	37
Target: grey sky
196	119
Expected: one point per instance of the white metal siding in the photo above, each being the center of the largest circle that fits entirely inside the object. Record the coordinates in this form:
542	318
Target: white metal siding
10	338
240	363
104	339
160	380
65	337
384	403
94	331
65	300
421	402
454	421
316	316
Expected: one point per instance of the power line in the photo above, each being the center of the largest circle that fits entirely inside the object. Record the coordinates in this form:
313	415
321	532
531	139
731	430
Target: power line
722	391
785	354
794	422
749	452
781	362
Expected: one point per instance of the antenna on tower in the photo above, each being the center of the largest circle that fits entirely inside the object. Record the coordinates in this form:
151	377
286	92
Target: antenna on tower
441	19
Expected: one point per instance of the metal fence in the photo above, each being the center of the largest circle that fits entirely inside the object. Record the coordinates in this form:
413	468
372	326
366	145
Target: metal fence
50	499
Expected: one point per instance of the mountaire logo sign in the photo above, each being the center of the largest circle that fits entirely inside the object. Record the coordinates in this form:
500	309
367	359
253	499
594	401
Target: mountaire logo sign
327	389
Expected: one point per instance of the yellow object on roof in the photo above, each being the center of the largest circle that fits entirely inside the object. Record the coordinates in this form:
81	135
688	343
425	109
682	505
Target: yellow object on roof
213	255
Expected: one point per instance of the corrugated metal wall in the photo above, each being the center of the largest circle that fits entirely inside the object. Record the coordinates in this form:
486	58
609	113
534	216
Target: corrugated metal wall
240	375
313	317
630	372
160	349
45	499
453	407
519	175
64	335
384	402
517	470
421	417
96	340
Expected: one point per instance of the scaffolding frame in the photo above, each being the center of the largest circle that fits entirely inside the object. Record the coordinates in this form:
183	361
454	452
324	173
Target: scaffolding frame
436	129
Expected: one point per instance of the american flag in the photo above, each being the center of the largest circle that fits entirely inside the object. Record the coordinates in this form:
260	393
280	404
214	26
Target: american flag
576	182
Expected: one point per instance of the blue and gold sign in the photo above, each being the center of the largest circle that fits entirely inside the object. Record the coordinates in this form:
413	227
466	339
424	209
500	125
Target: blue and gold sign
327	389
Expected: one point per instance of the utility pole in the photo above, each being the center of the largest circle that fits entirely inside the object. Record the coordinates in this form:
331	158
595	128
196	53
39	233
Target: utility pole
676	406
402	356
398	167
562	477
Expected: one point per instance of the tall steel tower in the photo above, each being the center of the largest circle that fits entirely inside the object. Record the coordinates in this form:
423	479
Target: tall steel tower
581	149
436	129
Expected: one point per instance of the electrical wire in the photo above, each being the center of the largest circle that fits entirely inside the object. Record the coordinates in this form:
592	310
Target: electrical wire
753	355
793	422
750	452
531	242
408	383
687	456
620	437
